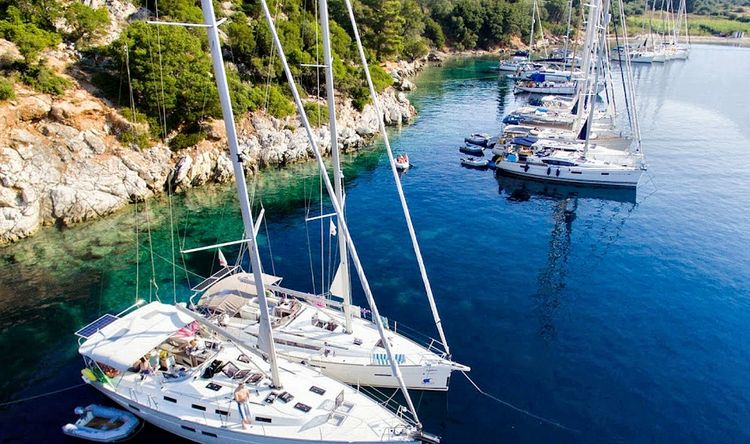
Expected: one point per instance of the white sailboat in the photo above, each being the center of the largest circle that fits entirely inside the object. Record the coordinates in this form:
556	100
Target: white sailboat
205	384
559	159
335	337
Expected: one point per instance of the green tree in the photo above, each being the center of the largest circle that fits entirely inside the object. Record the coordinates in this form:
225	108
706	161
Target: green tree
29	38
171	73
87	23
390	38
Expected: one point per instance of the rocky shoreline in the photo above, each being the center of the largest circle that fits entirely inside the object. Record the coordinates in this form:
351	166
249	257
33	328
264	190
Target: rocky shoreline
61	162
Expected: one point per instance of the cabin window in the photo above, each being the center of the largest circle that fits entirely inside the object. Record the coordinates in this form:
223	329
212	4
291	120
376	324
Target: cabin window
222	412
605	174
199	407
303	407
317	390
212	435
167	398
576	172
190	429
262	419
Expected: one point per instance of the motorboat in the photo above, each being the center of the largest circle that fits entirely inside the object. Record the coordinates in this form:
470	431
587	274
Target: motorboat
100	423
402	162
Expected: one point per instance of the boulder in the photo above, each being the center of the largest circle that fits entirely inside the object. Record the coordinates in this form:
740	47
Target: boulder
32	108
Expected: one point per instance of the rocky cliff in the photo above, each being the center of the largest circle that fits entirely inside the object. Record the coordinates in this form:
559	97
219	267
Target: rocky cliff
61	161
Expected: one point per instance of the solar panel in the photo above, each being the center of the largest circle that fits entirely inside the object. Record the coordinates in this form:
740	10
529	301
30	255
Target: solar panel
213	278
97	325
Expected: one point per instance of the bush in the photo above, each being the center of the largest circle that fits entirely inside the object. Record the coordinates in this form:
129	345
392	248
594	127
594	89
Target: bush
87	23
6	89
415	49
185	140
317	113
44	79
380	78
29	39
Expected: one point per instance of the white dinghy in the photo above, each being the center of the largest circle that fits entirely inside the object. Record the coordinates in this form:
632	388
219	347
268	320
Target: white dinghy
102	424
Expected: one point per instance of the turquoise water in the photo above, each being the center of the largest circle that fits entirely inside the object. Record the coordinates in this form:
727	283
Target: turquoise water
621	316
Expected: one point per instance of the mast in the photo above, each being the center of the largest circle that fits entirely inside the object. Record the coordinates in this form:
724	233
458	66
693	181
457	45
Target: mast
593	86
567	38
339	214
337	179
531	37
397	180
265	334
587	56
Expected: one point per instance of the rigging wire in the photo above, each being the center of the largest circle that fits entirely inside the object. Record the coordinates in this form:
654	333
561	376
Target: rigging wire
164	124
153	288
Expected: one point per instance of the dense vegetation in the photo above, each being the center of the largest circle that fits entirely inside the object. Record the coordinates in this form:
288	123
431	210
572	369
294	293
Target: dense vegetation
161	74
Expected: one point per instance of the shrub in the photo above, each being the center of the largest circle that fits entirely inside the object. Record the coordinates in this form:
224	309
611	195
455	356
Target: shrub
87	23
44	79
6	89
380	78
29	39
415	49
317	113
185	140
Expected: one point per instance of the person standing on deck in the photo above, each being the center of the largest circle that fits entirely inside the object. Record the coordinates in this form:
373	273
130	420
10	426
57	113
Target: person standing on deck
241	396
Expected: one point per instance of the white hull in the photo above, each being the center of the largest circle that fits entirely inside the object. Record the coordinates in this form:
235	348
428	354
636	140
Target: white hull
303	336
573	174
561	90
203	433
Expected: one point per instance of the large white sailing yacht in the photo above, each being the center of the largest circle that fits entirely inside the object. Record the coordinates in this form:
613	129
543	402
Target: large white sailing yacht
334	336
182	373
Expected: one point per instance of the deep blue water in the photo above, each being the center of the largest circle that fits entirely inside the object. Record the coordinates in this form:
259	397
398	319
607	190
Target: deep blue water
621	316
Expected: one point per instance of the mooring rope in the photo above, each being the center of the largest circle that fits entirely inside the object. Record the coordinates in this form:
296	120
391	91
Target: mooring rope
519	409
42	395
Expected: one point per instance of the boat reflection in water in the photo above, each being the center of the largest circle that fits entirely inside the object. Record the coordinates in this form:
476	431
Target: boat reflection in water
523	189
552	278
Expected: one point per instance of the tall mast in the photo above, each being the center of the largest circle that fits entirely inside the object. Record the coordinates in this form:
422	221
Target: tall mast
587	56
531	37
593	86
339	214
337	179
265	337
567	38
397	180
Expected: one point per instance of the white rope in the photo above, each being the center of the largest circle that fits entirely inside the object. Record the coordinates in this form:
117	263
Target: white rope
518	409
399	188
42	395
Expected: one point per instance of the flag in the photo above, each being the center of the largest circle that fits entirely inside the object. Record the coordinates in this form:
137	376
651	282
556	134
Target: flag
222	260
332	230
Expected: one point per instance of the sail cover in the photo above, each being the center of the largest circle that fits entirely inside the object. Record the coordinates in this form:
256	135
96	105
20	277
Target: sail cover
124	341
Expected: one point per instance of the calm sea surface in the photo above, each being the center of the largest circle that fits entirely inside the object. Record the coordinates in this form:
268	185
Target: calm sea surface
623	317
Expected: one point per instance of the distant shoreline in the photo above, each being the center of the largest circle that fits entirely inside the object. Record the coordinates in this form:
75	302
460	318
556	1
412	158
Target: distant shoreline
724	41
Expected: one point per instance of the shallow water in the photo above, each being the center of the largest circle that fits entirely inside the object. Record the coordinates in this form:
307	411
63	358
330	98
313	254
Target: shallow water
620	316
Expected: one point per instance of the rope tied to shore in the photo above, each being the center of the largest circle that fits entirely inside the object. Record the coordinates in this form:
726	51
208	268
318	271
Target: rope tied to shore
42	395
519	409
